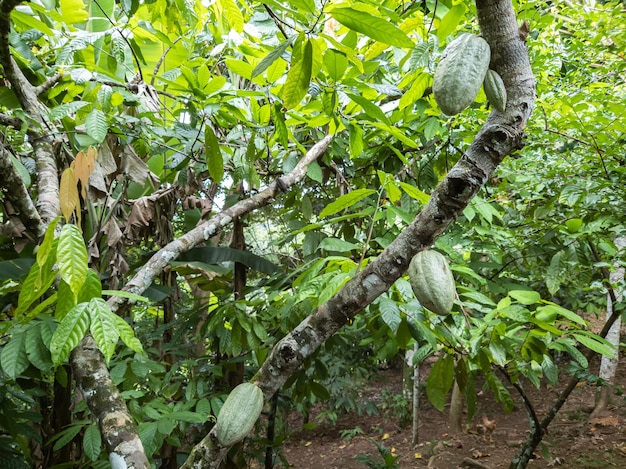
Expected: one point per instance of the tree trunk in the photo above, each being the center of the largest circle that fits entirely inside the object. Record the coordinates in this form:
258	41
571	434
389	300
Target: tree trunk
608	365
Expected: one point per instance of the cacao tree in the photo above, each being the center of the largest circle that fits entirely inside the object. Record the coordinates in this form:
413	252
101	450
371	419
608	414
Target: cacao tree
245	185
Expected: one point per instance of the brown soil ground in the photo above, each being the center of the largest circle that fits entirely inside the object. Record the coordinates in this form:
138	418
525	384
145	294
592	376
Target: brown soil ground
574	440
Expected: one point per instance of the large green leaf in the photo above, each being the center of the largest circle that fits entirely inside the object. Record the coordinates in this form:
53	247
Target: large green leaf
377	28
439	381
70	332
370	108
346	201
36	350
389	312
216	254
13	358
103	326
127	334
213	154
92	442
96	125
72	257
270	58
299	76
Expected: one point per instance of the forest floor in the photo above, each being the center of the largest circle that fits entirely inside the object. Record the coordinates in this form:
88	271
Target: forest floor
574	441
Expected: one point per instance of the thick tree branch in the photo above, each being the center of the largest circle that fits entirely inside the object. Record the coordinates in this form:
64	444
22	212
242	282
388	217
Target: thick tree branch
501	135
27	95
14	192
108	407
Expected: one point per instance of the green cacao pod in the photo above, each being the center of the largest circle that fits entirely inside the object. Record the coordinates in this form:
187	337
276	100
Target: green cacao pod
432	281
239	413
460	73
495	90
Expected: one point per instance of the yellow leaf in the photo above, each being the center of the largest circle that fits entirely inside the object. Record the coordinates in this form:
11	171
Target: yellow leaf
418	455
83	166
385	437
68	195
308	443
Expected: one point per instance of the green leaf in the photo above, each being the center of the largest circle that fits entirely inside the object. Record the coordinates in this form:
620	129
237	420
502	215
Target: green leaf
416	91
346	201
103	327
281	133
233	14
389	312
501	393
66	109
38	281
415	193
218	254
377	28
70	332
66	435
566	313
314	171
550	370
127	334
187	416
73	11
270	58
92	288
335	63
525	297
127	295
213	155
336	244
92	442
13	358
595	343
451	20
370	108
439	381
65	300
47	247
299	76
72	257
36	351
356	140
96	125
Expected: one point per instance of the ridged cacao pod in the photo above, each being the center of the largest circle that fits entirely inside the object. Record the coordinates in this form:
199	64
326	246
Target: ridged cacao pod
495	90
432	281
460	73
239	413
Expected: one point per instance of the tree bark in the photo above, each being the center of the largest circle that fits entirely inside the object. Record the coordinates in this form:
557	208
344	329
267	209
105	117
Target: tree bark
608	365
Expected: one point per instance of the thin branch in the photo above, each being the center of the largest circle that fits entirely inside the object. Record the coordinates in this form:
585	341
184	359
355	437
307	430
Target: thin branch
277	21
49	83
9	121
161	59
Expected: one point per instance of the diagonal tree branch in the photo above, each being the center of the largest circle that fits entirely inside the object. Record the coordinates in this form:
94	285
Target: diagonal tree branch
501	135
15	192
212	227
